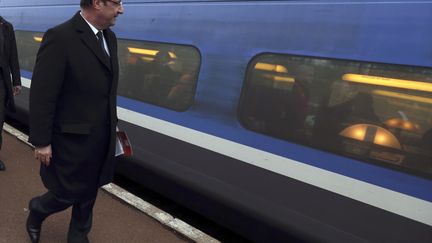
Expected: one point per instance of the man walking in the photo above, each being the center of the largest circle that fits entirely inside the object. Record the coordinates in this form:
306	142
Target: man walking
8	65
73	115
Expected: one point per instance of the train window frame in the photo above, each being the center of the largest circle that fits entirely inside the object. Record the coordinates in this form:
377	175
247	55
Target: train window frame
280	70
197	52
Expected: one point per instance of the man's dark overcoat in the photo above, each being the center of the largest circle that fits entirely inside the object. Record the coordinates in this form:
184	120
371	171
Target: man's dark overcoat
73	108
9	62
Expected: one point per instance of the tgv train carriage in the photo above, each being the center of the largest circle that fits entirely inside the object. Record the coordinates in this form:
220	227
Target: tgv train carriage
281	120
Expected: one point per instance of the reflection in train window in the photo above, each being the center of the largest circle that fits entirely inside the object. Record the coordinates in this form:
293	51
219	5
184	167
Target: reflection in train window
158	73
28	45
378	113
161	74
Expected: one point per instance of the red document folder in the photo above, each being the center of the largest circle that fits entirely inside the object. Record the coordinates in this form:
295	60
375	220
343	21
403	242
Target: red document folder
123	146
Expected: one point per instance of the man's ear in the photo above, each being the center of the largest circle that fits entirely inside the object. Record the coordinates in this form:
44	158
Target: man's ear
97	4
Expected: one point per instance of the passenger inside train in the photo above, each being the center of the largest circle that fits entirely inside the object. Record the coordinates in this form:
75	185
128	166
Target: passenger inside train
159	74
158	78
331	120
278	102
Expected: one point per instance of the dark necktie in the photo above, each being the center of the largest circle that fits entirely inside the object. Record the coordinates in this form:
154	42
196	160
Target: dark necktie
101	43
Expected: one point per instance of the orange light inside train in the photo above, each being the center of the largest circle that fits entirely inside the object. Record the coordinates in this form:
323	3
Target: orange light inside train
271	67
283	79
385	138
388	82
147	59
356	132
37	39
402	124
402	96
371	133
172	55
142	51
149	52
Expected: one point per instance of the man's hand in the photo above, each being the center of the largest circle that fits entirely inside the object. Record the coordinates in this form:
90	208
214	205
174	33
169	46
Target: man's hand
17	90
43	154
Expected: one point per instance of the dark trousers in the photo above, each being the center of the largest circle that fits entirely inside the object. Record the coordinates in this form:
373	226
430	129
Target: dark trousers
82	213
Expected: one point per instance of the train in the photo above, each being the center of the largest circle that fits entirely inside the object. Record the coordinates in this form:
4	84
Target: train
283	121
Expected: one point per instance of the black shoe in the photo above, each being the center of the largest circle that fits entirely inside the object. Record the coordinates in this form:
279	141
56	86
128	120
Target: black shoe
77	238
2	165
34	225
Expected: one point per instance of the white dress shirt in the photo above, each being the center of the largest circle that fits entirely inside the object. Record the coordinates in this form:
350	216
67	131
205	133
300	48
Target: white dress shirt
95	31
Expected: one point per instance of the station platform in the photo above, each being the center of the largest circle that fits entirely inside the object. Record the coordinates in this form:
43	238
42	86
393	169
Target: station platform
115	219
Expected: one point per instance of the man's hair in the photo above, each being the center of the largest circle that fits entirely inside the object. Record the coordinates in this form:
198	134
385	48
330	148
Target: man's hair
87	3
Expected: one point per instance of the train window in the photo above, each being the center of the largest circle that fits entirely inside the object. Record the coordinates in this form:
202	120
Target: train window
28	45
378	113
158	73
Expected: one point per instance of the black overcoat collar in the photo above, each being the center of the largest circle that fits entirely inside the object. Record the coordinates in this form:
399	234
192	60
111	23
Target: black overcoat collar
88	37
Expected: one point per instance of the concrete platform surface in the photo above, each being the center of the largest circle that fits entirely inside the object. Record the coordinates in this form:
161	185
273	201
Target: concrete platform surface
114	221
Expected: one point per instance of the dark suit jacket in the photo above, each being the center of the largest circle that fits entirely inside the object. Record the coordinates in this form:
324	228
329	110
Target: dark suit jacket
73	107
9	61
